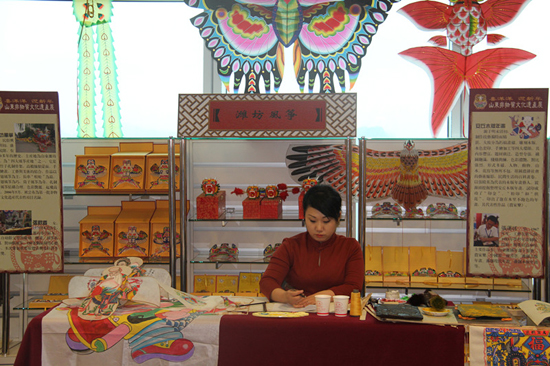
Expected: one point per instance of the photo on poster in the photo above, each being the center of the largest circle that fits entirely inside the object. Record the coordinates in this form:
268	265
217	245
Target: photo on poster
35	137
15	222
525	126
486	230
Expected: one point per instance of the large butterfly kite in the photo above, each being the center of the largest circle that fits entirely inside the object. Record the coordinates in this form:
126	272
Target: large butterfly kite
247	39
408	176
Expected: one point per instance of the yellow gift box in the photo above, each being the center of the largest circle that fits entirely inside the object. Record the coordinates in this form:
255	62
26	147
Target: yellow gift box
422	264
395	262
450	267
156	171
97	231
373	264
92	170
128	167
132	229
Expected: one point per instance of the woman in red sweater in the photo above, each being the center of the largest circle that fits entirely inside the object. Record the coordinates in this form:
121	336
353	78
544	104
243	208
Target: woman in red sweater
318	261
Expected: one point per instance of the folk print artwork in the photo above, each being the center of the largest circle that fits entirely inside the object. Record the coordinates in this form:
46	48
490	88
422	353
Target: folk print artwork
127	173
151	333
107	319
133	240
112	289
510	346
91	172
95	238
160	174
161	241
424	272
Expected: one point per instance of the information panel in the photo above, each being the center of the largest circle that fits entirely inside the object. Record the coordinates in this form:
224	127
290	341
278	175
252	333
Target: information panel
31	238
507	182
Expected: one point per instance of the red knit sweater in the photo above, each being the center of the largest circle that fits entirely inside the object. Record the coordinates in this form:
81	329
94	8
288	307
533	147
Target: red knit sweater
308	265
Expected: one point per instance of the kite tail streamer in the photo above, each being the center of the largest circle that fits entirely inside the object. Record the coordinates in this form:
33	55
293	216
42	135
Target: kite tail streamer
86	88
109	84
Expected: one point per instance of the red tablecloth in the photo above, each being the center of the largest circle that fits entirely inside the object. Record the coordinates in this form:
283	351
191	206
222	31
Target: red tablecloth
314	340
30	349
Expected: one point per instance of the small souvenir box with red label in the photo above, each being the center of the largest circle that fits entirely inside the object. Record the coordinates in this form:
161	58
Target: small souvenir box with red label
271	208
211	206
251	208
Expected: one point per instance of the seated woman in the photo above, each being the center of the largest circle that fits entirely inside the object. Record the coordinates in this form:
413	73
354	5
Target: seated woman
318	261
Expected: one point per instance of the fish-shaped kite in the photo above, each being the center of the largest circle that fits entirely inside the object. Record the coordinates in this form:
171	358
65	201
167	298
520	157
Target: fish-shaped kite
466	23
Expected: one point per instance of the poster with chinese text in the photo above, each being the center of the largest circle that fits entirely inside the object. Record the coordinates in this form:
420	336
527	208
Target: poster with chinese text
507	182
31	235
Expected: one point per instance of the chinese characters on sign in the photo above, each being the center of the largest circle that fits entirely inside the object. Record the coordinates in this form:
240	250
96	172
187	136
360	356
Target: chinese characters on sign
30	183
507	180
267	115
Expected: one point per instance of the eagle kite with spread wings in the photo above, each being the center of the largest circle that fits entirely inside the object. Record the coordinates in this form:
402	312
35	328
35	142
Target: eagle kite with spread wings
408	176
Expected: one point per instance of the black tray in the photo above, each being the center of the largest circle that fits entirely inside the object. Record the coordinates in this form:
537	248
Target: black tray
398	311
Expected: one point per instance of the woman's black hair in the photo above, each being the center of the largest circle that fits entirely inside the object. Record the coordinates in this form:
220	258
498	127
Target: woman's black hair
493	219
325	199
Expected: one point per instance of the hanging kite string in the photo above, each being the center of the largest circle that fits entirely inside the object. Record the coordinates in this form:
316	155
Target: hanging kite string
109	83
86	89
89	12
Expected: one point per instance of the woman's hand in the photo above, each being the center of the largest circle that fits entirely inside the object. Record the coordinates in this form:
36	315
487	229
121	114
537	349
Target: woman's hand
295	298
309	300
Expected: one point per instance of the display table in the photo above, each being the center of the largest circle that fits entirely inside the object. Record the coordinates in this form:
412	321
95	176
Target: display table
316	340
312	340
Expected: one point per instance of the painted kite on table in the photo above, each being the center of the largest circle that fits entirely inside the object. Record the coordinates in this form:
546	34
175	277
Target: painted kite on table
408	176
247	39
466	23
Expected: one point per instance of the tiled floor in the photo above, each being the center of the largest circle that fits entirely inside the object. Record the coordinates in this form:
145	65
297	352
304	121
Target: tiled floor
9	358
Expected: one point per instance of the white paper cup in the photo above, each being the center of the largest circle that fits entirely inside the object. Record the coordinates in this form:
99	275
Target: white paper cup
341	305
323	304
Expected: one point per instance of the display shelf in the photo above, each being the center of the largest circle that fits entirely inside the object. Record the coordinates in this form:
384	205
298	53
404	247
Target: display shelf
26	305
240	163
407	286
423	218
241	260
69	192
110	260
238	216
